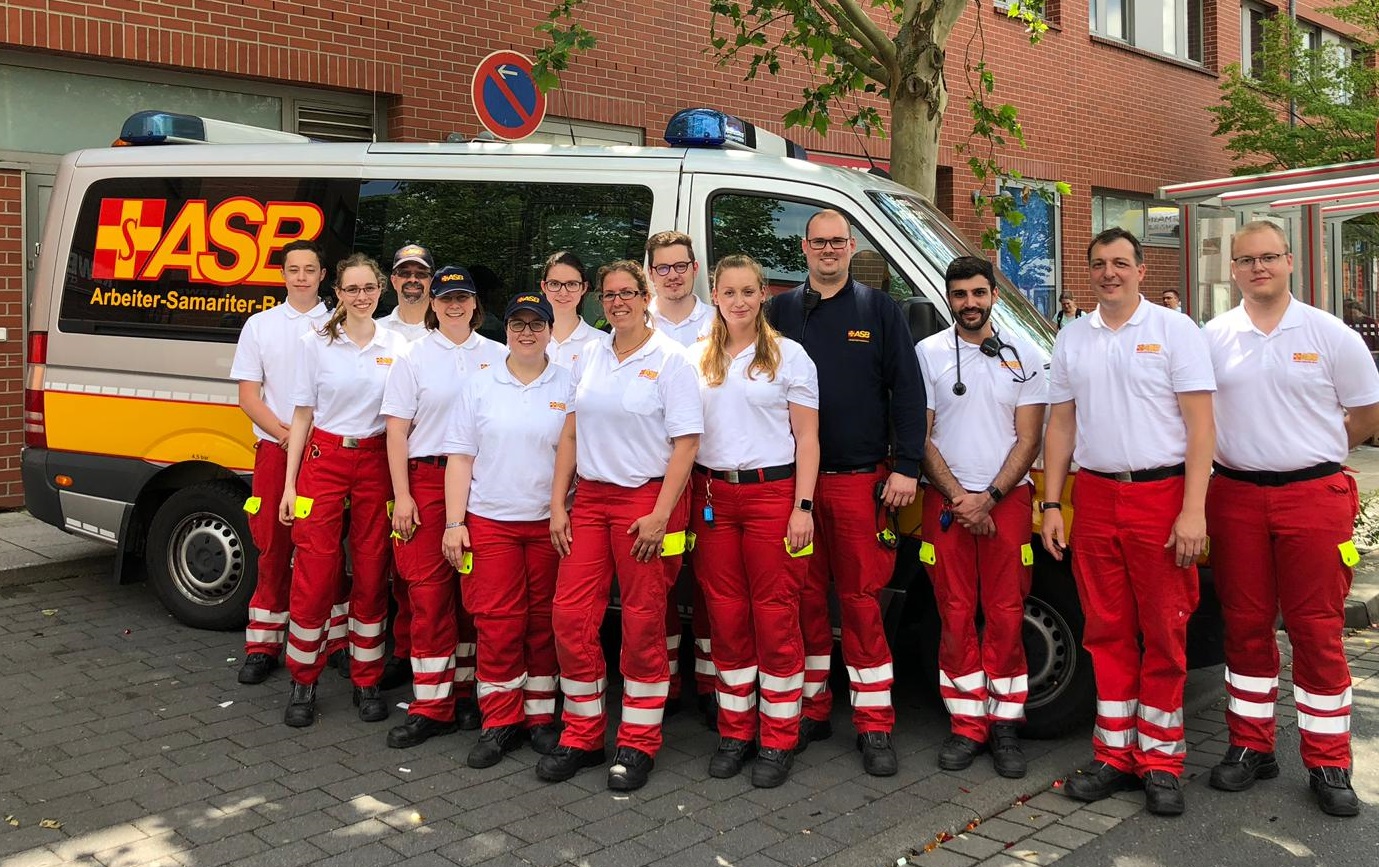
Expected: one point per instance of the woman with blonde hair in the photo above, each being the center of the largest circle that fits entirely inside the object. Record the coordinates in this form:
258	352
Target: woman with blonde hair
753	488
335	452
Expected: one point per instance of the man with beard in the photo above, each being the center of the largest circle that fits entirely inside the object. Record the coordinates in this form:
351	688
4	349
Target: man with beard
411	279
985	417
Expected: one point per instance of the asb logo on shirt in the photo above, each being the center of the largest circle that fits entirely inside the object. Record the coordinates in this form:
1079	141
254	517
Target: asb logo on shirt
1306	357
1148	348
383	361
558	405
859	336
1012	365
649	374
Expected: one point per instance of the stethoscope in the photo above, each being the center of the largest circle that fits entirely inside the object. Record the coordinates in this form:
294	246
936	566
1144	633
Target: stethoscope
992	347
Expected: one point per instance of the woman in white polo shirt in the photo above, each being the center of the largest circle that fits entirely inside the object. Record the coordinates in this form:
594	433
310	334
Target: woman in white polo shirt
501	442
632	433
422	389
335	451
564	283
753	488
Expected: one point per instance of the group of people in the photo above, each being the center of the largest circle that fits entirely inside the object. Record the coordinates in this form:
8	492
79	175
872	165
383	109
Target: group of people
772	444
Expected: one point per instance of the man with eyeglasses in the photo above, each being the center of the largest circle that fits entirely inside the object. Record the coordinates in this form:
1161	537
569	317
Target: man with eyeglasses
411	279
676	311
1130	387
679	314
869	387
985	420
1281	510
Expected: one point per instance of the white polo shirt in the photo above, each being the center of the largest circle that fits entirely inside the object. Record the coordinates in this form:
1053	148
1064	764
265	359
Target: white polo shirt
512	431
426	380
747	418
695	325
1281	397
1126	384
566	352
267	354
975	431
343	383
393	323
626	413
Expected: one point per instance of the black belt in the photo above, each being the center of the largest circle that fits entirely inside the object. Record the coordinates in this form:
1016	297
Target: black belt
1158	474
848	471
432	460
1269	479
748	477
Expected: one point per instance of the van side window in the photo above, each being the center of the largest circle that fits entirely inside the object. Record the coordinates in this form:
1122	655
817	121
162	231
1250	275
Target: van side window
770	230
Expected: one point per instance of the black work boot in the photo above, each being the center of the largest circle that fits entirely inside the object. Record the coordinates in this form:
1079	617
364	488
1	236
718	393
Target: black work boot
545	737
564	762
772	767
372	706
731	755
493	743
467	715
340	661
396	672
958	751
1332	787
417	730
813	730
1099	781
708	708
1163	794
257	667
630	769
301	705
1006	756
1240	767
878	755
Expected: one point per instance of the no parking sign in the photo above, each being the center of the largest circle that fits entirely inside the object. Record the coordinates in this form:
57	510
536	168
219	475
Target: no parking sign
506	98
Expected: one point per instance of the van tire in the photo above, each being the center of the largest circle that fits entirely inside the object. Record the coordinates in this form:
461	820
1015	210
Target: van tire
1062	696
201	561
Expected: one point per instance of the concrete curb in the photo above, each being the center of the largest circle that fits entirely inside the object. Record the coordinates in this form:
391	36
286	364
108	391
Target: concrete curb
54	570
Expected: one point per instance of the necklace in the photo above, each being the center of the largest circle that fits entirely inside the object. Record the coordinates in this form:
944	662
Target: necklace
623	353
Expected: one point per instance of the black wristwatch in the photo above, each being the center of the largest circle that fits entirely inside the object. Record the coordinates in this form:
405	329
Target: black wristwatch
994	493
805	506
1050	504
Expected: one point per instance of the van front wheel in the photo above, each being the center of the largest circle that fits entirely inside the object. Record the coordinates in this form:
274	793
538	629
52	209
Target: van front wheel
200	558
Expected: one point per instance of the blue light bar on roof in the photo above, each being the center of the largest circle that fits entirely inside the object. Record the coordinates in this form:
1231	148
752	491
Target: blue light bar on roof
709	128
166	127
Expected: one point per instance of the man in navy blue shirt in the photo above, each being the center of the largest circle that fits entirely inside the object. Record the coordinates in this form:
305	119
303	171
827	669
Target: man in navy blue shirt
870	393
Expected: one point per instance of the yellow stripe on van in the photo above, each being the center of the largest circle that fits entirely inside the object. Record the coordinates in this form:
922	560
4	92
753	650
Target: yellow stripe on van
161	431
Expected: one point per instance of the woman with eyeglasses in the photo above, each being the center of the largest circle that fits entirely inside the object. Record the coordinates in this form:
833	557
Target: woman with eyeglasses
564	284
501	443
632	433
423	387
335	451
753	491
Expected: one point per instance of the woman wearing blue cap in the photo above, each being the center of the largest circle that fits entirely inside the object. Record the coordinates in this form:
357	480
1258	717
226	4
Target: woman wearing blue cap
501	442
425	382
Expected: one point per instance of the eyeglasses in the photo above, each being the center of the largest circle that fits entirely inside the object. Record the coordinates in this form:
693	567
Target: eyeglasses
621	295
820	243
413	275
677	267
367	289
1268	260
535	326
562	286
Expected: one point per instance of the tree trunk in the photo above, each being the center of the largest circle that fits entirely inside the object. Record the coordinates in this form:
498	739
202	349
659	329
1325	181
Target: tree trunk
914	141
919	94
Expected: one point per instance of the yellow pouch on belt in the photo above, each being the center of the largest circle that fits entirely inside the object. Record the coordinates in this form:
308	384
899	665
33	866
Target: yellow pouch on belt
390	508
690	540
926	553
1026	555
1349	555
467	563
253	504
302	507
673	545
803	552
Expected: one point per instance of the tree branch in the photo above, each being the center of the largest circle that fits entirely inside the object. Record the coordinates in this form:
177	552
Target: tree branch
851	18
868	65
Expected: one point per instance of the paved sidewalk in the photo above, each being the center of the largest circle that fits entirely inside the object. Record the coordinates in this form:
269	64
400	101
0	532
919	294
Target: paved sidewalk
31	550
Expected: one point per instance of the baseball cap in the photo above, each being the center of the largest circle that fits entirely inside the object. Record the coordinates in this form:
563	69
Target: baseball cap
535	303
414	253
452	278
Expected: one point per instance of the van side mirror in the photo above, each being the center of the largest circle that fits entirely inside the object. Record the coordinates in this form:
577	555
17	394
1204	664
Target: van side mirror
923	317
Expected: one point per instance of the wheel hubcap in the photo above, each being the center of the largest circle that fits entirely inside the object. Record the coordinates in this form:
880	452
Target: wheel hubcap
1049	652
206	558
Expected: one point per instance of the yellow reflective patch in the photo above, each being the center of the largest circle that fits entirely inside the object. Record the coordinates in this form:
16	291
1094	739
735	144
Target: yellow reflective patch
1026	554
690	539
467	563
673	545
803	552
1349	555
302	508
926	553
390	508
253	504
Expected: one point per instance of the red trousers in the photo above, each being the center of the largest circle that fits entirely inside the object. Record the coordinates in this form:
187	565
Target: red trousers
510	594
268	608
752	588
699	621
430	585
330	473
1278	548
846	549
401	627
1132	591
982	683
599	521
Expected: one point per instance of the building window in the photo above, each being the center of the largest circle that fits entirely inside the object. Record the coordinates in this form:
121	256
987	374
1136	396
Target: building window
1252	19
561	130
1172	27
1035	270
1153	221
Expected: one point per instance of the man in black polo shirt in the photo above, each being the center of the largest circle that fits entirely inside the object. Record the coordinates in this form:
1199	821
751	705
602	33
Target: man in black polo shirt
869	385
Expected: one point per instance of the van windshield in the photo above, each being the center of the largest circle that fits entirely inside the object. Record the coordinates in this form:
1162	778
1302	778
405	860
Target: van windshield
938	240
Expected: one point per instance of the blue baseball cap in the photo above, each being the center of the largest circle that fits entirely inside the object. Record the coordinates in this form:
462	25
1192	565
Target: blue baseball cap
452	278
530	301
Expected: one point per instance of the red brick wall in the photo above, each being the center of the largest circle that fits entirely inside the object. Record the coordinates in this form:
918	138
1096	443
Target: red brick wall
12	350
